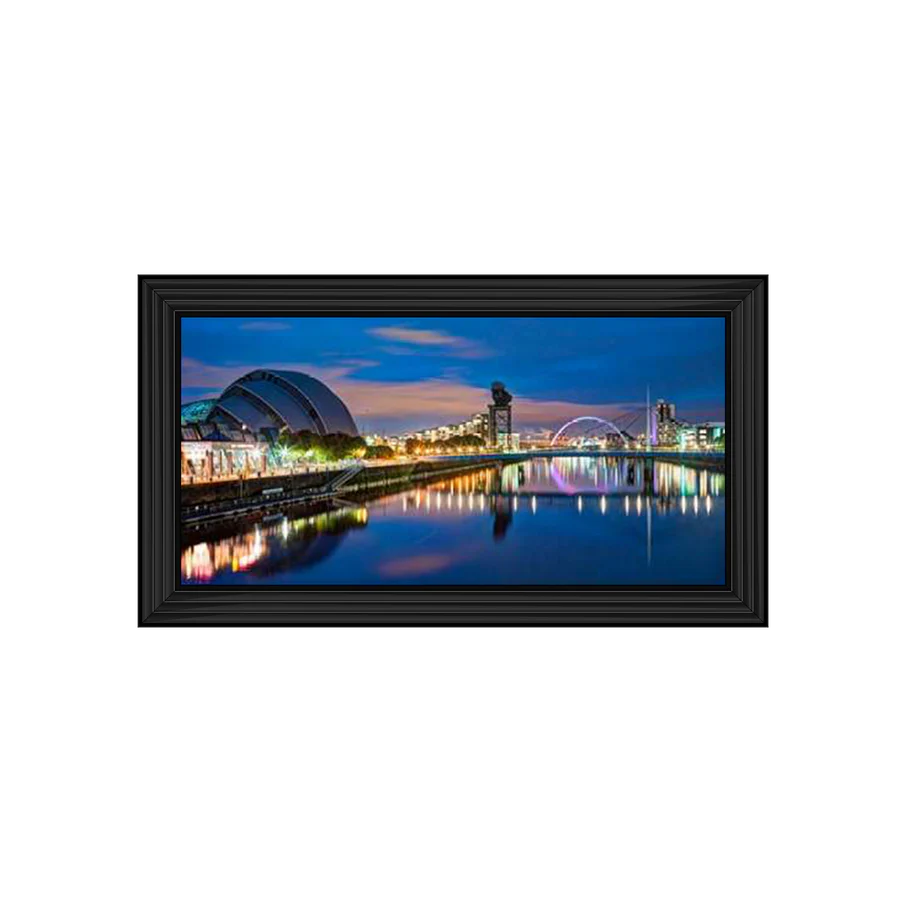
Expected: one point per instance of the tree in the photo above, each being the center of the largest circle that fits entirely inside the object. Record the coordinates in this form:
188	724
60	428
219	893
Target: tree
282	453
320	448
379	451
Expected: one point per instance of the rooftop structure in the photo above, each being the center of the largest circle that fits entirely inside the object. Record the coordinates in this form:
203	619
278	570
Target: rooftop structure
274	399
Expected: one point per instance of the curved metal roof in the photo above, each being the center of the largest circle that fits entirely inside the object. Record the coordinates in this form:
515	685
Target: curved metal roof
330	407
282	398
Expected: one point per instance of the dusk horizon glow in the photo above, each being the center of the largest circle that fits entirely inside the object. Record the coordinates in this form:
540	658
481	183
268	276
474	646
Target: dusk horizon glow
401	374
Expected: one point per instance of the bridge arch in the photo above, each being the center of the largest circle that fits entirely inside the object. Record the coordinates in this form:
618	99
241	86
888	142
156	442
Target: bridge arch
589	419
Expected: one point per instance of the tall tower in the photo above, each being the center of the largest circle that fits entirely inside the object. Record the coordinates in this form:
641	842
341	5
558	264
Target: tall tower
647	432
500	416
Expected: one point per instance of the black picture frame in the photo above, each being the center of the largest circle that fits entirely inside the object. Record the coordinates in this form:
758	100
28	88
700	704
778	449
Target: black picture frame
164	299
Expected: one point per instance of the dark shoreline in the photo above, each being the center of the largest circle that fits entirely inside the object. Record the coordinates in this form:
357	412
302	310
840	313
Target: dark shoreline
209	519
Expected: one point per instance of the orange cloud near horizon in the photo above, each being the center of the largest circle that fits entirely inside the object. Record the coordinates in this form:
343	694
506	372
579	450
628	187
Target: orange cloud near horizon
440	400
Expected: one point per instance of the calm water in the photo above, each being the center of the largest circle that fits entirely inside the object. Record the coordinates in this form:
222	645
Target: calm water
572	520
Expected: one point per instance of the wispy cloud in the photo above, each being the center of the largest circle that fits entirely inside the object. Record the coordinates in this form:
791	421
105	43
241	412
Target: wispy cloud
413	335
444	400
359	363
439	342
198	374
265	325
401	405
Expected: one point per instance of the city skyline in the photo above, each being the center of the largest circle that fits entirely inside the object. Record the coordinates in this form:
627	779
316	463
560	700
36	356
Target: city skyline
408	373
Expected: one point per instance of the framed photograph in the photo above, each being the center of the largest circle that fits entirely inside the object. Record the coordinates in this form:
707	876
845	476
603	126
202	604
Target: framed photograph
486	450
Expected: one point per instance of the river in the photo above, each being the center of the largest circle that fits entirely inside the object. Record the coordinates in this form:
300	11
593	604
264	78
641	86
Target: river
581	520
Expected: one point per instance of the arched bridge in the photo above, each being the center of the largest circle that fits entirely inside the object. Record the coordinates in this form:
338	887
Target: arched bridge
602	421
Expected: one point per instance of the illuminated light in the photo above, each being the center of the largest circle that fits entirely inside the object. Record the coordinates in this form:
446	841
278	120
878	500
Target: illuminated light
708	504
696	505
639	504
481	501
515	503
579	503
627	506
439	499
285	529
471	502
683	505
533	503
603	505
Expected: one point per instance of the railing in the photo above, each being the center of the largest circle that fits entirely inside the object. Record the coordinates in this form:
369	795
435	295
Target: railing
270	472
343	477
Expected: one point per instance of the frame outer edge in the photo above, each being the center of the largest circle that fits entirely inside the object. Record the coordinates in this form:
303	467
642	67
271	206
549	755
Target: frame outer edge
134	530
771	518
150	384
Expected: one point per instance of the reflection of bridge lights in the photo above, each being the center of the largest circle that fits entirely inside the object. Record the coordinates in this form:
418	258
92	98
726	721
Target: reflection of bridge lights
696	505
579	503
639	505
708	504
603	505
481	501
515	503
683	504
533	503
626	505
285	529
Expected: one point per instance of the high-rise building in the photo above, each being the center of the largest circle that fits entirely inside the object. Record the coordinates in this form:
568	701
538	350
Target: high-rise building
664	410
478	425
666	424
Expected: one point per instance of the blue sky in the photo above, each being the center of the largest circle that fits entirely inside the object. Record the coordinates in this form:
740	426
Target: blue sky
401	373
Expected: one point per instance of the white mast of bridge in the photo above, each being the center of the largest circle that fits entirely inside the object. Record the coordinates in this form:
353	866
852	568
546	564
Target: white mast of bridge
647	433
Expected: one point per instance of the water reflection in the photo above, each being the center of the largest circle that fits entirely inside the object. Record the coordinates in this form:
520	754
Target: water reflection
576	530
300	542
502	511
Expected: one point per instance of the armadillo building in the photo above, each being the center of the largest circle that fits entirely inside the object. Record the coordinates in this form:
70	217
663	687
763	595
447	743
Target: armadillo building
267	398
228	434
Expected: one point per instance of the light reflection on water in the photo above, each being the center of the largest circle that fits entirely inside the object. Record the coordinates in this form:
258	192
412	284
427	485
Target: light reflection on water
569	520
